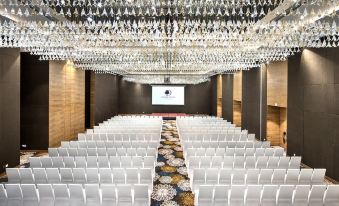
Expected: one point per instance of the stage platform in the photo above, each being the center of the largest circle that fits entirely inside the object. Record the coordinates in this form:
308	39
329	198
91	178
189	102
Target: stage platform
169	116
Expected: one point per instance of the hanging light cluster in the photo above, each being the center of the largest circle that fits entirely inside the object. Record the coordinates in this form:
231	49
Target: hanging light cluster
190	40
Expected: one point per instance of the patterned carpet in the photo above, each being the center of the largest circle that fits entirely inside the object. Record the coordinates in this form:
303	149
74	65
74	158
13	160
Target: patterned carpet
171	186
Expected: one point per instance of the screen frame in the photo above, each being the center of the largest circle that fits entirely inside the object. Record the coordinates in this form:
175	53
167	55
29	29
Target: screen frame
168	85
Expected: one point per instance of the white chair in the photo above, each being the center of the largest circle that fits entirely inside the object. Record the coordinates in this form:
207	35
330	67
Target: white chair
332	195
285	195
105	175
92	162
58	162
269	195
253	195
108	194
198	177
228	162
265	176
146	176
212	176
216	162
124	194
239	176
80	162
301	195
13	175
225	176
53	175
137	161
92	194
14	194
292	176
284	162
66	175
46	162
132	176
250	162
53	152
239	162
237	195
262	162
29	194
26	175
76	194
69	162
34	162
305	176
114	161
46	194
79	175
252	176
273	162
318	176
295	162
119	176
278	176
3	195
40	175
205	162
92	175
103	162
141	195
316	195
205	195
126	161
221	195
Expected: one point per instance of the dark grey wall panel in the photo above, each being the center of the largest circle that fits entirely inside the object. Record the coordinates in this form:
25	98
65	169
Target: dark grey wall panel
227	97
34	102
137	99
106	94
313	108
9	108
254	100
214	94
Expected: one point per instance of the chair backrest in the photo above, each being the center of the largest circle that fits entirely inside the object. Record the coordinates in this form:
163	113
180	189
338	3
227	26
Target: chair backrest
92	191
253	194
13	191
45	191
332	195
269	194
60	191
108	192
76	191
141	192
29	192
285	194
317	194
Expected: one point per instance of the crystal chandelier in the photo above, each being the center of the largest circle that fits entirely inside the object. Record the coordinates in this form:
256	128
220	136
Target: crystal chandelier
190	40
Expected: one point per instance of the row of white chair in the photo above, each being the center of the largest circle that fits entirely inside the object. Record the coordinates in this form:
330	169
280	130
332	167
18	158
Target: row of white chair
110	144
234	152
260	162
80	175
300	195
226	144
55	152
258	176
74	194
217	137
126	129
93	161
119	137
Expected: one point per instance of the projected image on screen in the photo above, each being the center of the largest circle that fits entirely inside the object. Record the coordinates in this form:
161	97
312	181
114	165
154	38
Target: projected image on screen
168	95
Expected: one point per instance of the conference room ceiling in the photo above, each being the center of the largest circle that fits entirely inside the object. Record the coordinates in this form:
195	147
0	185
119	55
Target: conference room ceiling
186	40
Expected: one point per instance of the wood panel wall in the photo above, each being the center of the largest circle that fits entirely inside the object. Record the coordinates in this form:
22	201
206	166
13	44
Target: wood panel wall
277	84
219	95
66	102
273	125
237	96
227	97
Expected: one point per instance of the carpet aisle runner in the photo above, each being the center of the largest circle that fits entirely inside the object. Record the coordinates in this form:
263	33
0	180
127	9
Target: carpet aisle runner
171	184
